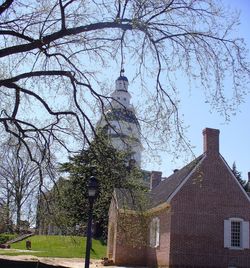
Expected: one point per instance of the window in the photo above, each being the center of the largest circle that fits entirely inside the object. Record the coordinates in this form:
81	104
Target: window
155	233
236	233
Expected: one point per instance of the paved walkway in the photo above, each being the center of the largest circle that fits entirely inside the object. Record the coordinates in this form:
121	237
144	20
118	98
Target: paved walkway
65	262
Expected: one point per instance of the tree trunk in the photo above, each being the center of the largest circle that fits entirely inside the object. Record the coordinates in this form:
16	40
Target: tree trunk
18	218
8	221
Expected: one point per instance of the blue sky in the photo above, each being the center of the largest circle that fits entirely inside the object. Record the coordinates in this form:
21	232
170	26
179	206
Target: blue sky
234	135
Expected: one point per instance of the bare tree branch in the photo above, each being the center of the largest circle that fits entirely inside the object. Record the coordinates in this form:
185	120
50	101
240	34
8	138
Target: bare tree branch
54	55
5	5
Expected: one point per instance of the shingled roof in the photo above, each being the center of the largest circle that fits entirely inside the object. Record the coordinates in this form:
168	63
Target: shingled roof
126	199
164	189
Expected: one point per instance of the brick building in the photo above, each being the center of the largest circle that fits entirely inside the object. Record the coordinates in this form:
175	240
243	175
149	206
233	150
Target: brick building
197	217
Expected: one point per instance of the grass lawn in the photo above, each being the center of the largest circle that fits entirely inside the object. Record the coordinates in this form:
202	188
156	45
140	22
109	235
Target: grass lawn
58	246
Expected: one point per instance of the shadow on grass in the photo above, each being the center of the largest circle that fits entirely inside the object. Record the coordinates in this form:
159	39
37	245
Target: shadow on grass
103	241
25	264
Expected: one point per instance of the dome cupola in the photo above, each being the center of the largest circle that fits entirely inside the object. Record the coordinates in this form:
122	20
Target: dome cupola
122	82
121	96
120	121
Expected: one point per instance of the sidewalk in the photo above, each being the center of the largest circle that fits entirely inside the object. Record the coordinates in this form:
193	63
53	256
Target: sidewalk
65	262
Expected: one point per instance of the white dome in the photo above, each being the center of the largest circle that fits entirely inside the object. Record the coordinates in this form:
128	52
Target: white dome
121	122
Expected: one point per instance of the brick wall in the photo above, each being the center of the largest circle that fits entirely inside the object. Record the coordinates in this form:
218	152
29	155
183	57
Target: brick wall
126	237
160	256
199	209
192	233
131	239
112	231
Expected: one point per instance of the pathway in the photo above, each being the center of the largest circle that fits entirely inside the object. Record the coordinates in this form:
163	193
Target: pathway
65	262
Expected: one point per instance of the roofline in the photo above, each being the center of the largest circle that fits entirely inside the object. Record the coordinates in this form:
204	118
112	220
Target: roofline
158	208
230	171
122	78
147	212
165	204
172	195
123	90
128	211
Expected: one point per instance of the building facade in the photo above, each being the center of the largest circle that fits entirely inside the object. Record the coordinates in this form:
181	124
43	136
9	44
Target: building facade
197	217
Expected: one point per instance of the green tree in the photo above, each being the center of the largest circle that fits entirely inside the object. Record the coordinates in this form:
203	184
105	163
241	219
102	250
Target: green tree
112	170
238	176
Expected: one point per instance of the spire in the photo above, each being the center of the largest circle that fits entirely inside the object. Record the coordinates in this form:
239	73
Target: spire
122	72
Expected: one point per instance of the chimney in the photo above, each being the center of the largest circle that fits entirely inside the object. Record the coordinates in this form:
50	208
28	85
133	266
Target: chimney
155	179
211	141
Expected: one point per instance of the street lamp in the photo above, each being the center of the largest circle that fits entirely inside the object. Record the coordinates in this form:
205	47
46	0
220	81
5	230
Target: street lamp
92	194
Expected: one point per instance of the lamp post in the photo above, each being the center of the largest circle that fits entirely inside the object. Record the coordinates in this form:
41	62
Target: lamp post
92	193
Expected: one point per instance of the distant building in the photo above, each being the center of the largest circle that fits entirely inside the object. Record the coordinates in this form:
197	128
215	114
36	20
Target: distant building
120	122
50	216
197	217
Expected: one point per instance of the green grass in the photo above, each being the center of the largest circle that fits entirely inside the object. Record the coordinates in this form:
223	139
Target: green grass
58	246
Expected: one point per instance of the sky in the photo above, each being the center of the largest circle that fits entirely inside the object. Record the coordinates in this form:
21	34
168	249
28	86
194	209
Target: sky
234	135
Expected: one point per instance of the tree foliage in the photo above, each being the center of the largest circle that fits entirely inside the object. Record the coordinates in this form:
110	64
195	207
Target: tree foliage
238	176
111	169
52	54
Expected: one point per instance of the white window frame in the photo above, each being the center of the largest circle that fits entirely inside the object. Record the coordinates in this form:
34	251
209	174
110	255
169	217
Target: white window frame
244	234
154	232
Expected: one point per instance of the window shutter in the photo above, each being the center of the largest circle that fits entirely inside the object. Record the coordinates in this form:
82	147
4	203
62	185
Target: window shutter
227	233
151	242
154	234
245	234
157	242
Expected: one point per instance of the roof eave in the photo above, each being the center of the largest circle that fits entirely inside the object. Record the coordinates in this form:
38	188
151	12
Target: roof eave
172	195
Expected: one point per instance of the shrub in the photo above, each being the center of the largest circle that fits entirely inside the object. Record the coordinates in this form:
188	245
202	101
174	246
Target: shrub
6	237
